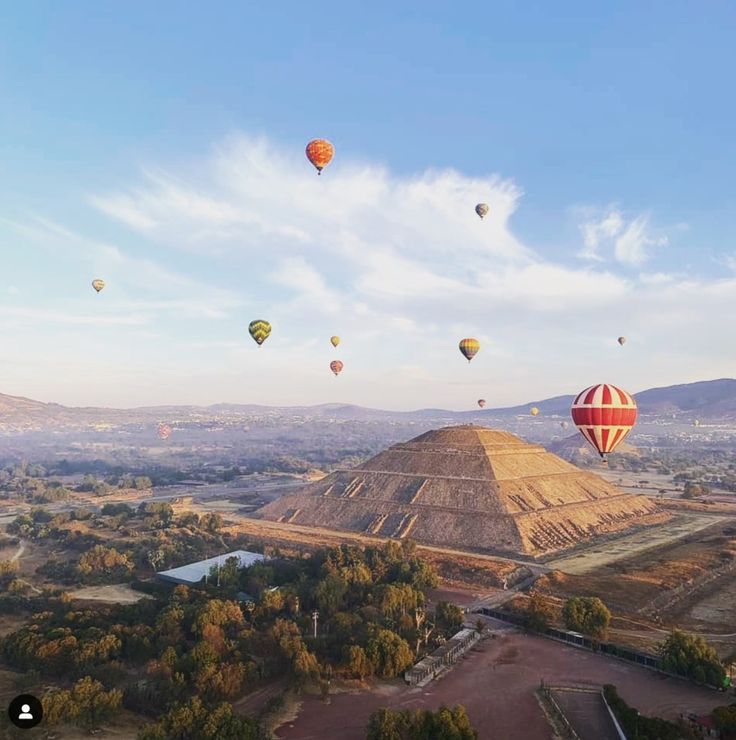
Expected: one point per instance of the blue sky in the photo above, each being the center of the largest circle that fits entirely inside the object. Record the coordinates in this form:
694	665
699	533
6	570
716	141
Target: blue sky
160	146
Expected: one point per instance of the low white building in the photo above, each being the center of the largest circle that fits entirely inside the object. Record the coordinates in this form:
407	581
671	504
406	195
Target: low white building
194	572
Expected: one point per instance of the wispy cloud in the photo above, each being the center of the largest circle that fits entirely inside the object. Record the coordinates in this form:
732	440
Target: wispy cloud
628	242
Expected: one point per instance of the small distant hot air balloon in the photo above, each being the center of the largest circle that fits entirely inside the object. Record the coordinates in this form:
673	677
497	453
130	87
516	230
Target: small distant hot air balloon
164	431
336	366
604	415
335	340
482	210
534	411
469	347
320	153
564	424
482	402
696	423
621	341
98	284
259	329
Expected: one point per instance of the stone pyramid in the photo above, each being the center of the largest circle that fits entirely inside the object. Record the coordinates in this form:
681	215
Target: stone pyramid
471	488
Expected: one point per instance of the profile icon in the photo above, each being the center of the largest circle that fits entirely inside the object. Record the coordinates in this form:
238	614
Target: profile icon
25	711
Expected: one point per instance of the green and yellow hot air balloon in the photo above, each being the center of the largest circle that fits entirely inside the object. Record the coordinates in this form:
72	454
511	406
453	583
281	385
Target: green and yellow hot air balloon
259	329
469	347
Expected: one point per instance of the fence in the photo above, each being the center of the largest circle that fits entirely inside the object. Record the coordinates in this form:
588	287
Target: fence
431	665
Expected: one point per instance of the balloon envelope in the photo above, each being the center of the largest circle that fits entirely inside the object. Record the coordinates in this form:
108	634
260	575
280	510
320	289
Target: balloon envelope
482	210
259	329
469	347
98	284
604	415
164	431
564	424
621	341
481	402
336	366
320	153
534	411
335	340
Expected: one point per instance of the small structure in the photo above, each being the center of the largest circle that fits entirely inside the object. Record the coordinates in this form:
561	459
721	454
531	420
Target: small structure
442	658
194	572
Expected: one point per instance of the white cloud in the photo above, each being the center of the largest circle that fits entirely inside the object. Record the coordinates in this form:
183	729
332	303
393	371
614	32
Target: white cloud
399	266
629	242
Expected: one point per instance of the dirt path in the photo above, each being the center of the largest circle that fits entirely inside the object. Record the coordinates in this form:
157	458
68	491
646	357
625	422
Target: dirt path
21	549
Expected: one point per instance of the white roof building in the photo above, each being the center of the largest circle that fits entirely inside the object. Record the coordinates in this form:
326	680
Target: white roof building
195	572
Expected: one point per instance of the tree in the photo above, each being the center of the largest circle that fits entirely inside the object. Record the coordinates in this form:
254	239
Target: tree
193	721
418	724
356	661
539	614
388	653
725	719
691	656
87	704
588	615
449	617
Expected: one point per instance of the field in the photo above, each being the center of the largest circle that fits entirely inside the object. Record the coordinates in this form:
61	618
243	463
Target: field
497	682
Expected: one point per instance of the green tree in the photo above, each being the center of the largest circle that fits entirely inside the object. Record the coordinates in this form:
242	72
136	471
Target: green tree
448	617
588	615
356	661
691	656
389	653
539	614
725	719
417	724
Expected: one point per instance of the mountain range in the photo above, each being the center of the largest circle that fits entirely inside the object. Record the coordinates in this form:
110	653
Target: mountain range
709	399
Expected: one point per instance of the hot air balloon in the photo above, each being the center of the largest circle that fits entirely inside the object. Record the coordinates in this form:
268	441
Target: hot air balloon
696	423
469	347
482	210
336	366
604	415
335	340
320	153
564	424
482	402
98	284
534	411
621	341
259	329
164	431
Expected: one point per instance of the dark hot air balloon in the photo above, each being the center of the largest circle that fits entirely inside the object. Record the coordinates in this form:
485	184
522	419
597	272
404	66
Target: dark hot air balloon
482	402
482	210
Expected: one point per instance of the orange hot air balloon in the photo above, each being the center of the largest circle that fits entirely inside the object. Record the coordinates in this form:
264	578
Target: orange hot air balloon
469	347
320	153
164	431
482	402
336	366
604	415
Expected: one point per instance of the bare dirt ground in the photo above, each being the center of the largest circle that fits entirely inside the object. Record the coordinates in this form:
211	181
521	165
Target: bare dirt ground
587	713
593	558
718	608
496	683
116	594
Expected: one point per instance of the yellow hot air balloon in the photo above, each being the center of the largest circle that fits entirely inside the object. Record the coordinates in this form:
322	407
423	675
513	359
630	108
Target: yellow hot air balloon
335	340
98	284
259	329
621	341
534	411
469	347
696	423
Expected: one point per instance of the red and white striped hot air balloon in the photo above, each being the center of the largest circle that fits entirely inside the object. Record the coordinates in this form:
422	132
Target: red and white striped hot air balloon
604	415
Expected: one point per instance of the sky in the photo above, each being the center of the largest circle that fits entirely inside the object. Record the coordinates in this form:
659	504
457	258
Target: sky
160	146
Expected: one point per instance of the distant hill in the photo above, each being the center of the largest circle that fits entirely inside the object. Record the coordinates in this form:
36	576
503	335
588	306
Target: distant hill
575	448
709	399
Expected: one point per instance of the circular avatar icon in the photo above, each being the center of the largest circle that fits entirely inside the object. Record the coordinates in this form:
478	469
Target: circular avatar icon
25	711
